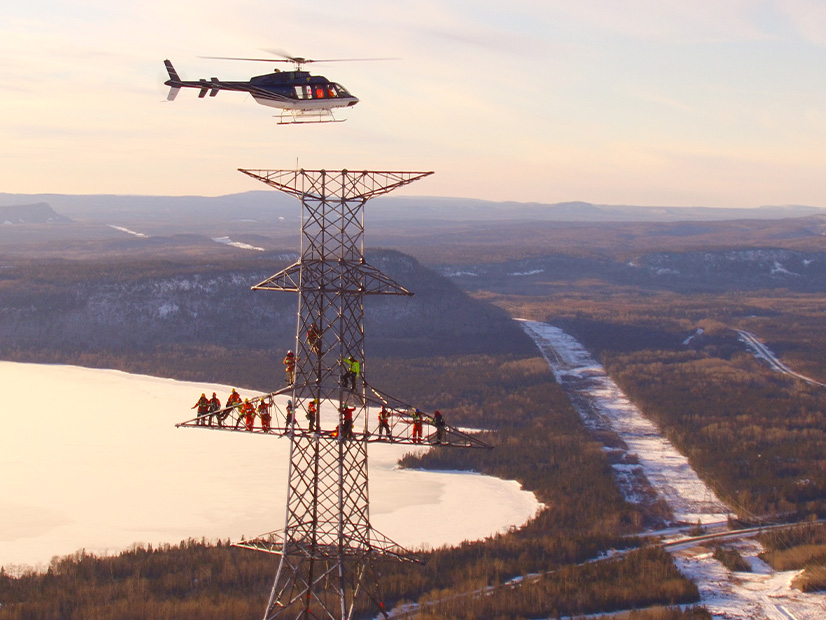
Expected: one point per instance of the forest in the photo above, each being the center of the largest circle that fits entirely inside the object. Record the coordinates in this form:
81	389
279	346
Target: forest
460	352
538	440
205	581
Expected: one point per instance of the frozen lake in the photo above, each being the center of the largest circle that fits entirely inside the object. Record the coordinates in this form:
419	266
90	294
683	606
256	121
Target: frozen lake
91	459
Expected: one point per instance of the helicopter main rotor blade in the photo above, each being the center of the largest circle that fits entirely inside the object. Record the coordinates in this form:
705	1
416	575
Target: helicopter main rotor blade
301	61
346	60
251	59
296	60
305	61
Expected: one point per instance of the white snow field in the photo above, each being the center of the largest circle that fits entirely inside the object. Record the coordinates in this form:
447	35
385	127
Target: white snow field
91	459
759	595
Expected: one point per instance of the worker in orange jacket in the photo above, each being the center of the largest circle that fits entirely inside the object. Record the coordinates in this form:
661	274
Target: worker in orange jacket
203	408
248	409
417	426
264	413
233	400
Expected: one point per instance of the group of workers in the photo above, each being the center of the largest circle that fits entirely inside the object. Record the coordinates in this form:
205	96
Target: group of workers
351	368
247	412
351	372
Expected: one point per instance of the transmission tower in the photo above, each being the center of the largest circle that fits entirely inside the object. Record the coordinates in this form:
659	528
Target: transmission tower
328	546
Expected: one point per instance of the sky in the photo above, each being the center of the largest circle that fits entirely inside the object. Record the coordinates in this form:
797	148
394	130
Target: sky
644	102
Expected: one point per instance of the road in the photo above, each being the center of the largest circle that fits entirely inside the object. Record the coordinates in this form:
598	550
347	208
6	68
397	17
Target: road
763	352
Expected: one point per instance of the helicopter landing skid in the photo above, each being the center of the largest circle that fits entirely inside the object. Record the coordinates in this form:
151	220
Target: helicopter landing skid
300	117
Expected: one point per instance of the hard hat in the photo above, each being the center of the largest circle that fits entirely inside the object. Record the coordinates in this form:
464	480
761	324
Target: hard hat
290	352
203	395
246	400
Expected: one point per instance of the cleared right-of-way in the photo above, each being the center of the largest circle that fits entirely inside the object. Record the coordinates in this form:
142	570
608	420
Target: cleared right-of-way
761	594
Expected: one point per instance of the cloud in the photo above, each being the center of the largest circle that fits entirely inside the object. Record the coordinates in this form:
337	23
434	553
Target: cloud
808	17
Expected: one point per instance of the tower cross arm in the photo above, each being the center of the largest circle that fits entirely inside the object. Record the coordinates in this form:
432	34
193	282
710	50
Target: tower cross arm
335	184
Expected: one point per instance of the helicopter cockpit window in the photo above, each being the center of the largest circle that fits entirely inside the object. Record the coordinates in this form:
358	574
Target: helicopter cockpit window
331	90
340	90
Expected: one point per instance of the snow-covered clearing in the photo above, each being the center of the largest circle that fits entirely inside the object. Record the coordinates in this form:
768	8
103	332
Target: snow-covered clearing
127	231
237	244
92	459
648	456
759	595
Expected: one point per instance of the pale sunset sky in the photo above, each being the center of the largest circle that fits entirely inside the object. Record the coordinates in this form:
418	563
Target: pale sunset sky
646	102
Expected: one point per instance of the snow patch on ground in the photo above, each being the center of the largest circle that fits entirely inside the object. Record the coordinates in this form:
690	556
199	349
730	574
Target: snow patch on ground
759	595
699	332
778	268
237	244
127	231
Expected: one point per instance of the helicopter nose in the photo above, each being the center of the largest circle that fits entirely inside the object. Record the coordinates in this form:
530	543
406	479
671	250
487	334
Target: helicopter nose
353	102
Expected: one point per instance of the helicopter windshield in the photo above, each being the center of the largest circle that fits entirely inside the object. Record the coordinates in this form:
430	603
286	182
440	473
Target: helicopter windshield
320	91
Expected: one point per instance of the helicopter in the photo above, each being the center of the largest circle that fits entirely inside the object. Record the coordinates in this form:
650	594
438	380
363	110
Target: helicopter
301	97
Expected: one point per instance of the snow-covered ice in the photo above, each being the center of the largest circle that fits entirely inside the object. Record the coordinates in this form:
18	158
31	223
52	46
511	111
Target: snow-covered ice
92	459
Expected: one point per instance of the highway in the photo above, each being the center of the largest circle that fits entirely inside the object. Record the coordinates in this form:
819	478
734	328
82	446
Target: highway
764	353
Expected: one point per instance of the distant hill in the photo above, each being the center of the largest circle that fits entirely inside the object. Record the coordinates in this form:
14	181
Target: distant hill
735	269
40	213
129	309
462	209
272	207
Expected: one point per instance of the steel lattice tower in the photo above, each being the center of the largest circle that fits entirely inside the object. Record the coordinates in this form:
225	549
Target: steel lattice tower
328	546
